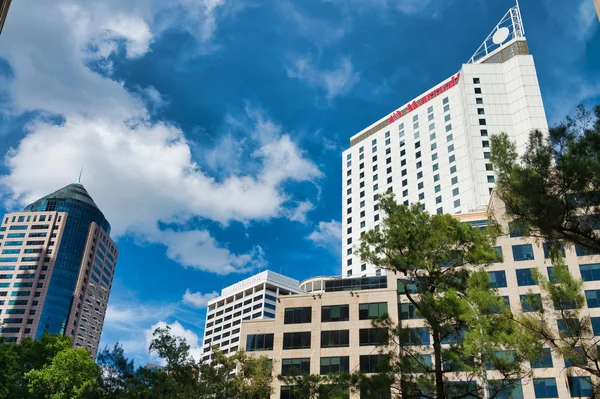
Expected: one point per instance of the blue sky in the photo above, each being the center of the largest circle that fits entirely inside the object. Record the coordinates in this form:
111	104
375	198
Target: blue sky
211	131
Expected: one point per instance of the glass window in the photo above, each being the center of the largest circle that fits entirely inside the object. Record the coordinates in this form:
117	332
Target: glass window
592	298
526	277
415	336
296	366
296	340
375	310
531	302
522	252
373	336
335	313
582	251
497	279
335	339
545	388
580	387
544	361
300	315
408	311
336	364
590	271
373	363
259	342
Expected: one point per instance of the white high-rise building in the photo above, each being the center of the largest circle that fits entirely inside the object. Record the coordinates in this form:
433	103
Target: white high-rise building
252	298
435	149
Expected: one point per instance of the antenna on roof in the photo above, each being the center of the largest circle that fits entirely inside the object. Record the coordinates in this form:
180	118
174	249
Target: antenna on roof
80	173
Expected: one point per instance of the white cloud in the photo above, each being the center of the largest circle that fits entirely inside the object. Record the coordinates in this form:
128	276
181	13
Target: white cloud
177	330
139	172
335	82
298	214
328	235
198	299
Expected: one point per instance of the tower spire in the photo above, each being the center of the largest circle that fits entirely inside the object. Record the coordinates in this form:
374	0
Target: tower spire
80	173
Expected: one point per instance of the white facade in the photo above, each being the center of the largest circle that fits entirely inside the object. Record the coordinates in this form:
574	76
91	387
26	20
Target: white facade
252	298
435	149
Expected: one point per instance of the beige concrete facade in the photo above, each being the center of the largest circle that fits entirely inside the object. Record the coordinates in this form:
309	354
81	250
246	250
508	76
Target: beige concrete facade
29	243
516	258
597	4
90	299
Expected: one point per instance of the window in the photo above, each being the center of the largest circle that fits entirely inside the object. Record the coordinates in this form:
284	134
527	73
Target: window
581	251
544	361
300	315
592	298
373	363
522	252
337	364
482	122
580	387
476	81
457	203
420	185
373	336
335	339
526	277
434	157
375	310
451	148
453	169
478	100
335	313
491	179
296	340
259	342
590	271
485	144
497	279
531	302
480	111
448	127
455	191
449	138
488	166
297	366
438	200
477	90
408	311
545	388
415	336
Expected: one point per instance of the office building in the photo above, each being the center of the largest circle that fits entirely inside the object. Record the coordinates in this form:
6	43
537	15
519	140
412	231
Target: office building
4	5
434	150
256	297
329	329
57	264
597	5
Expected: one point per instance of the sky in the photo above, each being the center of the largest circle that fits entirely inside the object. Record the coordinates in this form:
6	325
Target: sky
210	132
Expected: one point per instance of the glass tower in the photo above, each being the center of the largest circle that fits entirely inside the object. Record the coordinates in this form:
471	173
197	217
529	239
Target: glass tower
82	211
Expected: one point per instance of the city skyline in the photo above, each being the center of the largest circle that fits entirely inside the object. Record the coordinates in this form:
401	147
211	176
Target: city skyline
156	110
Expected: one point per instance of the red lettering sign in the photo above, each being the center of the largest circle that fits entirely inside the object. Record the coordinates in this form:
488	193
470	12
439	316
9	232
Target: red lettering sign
411	106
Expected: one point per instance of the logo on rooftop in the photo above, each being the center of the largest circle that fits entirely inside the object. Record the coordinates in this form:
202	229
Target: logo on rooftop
426	98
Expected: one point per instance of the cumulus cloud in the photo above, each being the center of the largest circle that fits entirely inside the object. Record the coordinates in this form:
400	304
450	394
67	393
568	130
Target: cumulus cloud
334	82
139	172
177	330
327	235
198	299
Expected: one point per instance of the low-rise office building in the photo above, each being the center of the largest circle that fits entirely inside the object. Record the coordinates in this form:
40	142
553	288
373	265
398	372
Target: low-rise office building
330	330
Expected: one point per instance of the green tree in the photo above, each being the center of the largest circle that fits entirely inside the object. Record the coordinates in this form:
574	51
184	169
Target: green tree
18	359
70	375
118	373
553	188
563	325
313	386
441	263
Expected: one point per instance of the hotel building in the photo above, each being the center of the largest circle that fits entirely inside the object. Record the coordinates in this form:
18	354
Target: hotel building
434	150
256	297
57	264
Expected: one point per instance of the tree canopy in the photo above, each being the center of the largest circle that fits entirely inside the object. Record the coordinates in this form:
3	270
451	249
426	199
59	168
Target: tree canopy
553	188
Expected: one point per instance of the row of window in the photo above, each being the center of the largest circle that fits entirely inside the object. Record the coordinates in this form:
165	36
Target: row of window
332	313
238	305
484	133
526	277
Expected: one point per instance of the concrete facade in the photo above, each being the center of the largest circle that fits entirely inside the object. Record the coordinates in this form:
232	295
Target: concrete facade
256	297
511	285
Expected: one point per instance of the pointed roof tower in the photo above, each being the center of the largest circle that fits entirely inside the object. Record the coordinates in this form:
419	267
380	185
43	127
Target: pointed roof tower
506	32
